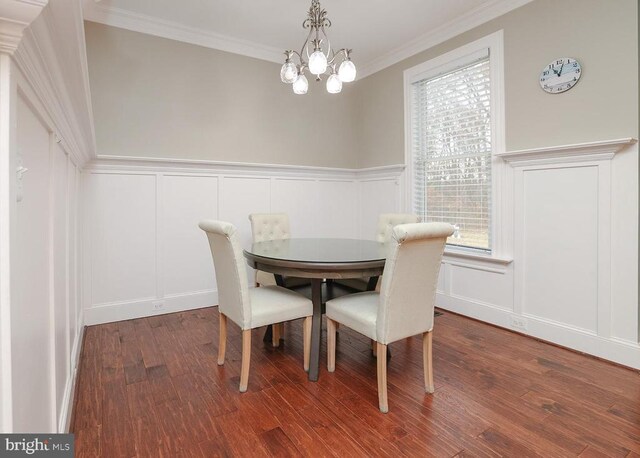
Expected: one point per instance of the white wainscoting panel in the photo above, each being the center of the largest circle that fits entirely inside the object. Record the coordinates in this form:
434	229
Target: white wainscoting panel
563	233
242	196
46	319
186	260
377	195
338	208
122	230
558	211
32	328
555	285
46	128
492	287
144	253
299	198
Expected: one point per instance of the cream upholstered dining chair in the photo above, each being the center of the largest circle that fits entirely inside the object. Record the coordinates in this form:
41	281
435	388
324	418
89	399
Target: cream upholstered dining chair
386	222
405	304
264	227
249	308
273	226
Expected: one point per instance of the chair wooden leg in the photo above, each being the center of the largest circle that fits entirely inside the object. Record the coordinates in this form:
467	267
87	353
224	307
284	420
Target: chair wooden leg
306	337
427	361
275	335
222	342
382	377
374	348
331	345
246	360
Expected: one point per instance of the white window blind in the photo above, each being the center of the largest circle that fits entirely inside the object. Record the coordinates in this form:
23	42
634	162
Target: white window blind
451	143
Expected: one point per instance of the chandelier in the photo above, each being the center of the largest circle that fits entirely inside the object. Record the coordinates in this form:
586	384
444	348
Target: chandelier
318	57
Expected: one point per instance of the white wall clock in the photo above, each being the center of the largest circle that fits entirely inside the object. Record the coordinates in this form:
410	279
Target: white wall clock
560	75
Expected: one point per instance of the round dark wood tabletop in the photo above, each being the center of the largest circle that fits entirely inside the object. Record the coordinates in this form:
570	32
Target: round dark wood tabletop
318	257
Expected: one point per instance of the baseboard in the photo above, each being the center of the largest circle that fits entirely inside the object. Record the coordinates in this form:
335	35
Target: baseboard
613	349
128	310
70	388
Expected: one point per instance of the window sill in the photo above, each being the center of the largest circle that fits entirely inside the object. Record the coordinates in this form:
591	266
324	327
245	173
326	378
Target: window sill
452	253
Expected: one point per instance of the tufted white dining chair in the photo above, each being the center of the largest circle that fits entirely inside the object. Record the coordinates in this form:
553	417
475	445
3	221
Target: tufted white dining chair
272	226
264	227
405	304
386	222
249	308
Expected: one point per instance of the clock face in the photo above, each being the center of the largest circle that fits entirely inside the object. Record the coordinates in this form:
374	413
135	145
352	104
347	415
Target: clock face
560	75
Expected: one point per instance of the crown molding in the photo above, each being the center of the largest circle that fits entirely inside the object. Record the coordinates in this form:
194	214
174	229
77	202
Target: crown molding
15	16
42	69
150	25
442	33
600	150
84	65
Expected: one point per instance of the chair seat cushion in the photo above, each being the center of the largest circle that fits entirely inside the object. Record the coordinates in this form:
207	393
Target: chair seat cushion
273	304
357	311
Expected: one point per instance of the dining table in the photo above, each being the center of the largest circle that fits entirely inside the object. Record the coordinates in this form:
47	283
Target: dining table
318	259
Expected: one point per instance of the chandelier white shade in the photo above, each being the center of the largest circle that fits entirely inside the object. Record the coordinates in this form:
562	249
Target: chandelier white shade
317	57
301	85
289	72
347	71
318	63
334	84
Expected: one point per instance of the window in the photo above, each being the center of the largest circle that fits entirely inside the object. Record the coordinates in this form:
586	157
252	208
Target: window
450	142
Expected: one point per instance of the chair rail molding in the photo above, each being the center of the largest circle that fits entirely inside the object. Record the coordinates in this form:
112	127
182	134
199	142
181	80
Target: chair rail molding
15	16
600	150
154	164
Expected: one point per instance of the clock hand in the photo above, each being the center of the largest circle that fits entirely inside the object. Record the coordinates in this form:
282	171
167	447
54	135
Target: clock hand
560	71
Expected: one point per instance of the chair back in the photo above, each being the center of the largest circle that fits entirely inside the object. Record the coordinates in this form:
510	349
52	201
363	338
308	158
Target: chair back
387	221
269	226
231	275
410	277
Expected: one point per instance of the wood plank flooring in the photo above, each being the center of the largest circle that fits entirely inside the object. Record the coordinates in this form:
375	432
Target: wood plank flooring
151	387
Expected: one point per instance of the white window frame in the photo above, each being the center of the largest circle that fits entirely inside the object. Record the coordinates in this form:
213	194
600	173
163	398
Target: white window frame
501	243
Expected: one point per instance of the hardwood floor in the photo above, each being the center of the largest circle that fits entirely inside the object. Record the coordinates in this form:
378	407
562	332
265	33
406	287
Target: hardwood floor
151	387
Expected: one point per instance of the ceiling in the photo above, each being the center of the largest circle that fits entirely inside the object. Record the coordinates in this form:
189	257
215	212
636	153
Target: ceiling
380	32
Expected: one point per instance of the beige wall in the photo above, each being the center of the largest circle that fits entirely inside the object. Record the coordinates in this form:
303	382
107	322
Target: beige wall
154	97
601	34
